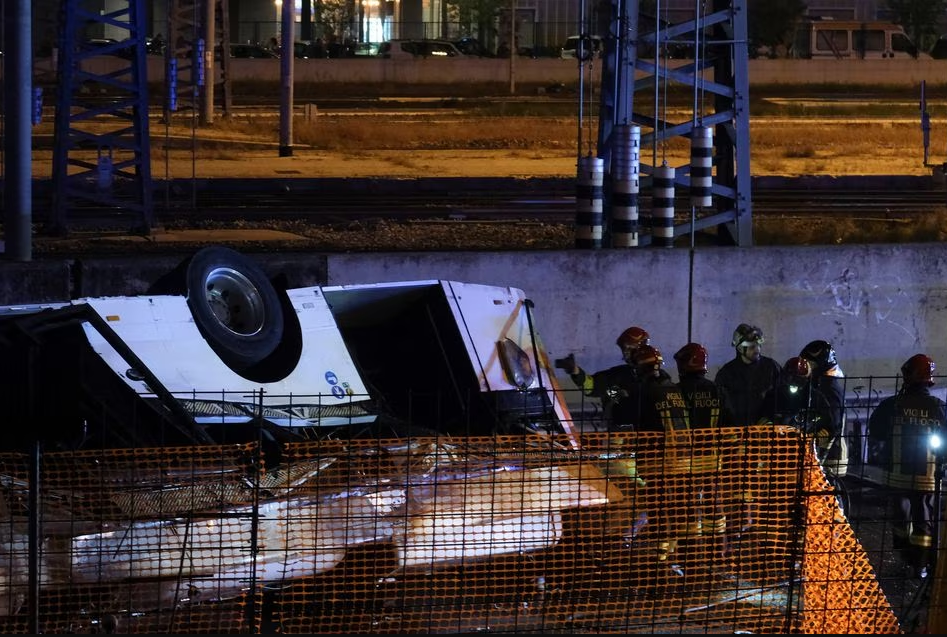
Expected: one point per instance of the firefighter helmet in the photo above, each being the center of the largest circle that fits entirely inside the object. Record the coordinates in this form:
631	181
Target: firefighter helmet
797	370
821	354
633	338
692	358
918	370
746	334
647	359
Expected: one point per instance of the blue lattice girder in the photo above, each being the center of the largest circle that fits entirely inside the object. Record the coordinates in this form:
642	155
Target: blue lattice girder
101	157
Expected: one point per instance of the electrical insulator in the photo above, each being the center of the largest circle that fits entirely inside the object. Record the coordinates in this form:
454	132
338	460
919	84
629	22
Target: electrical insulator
702	163
625	180
588	202
662	206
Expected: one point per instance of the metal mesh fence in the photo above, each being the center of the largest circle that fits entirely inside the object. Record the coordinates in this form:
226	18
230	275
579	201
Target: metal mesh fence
730	530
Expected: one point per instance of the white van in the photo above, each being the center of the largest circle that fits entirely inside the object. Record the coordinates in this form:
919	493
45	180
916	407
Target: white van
573	45
852	39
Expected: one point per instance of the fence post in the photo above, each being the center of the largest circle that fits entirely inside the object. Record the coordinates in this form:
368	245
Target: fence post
35	539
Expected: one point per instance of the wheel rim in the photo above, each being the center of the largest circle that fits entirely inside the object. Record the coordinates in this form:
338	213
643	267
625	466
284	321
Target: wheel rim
235	301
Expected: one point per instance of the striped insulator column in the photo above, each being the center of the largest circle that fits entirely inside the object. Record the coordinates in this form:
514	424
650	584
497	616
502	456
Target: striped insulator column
625	178
702	163
588	202
662	206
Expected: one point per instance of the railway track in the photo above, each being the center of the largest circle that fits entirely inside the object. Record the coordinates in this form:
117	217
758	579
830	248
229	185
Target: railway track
549	200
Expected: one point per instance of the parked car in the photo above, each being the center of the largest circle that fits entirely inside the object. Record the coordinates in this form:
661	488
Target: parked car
939	50
581	47
315	49
108	46
244	50
472	46
367	49
419	48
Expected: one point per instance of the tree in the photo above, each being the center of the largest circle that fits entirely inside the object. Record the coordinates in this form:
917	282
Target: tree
334	18
771	24
919	19
480	14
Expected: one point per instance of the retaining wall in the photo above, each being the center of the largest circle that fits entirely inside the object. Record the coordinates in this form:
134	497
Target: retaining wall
879	304
539	71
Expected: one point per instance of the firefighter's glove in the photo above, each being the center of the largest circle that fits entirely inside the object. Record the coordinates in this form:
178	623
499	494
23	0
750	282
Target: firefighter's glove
568	364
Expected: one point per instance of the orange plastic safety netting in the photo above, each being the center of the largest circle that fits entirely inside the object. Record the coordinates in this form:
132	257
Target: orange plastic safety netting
735	530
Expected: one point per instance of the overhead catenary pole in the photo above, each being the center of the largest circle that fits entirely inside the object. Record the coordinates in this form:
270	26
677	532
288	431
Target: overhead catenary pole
207	114
17	138
512	47
287	53
305	21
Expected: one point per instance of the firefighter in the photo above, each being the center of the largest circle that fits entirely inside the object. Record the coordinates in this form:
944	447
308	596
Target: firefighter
900	431
744	380
826	371
707	405
707	411
616	386
748	375
666	465
829	379
798	401
662	404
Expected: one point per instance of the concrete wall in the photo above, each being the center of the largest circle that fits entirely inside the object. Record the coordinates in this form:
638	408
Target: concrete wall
879	304
548	70
850	72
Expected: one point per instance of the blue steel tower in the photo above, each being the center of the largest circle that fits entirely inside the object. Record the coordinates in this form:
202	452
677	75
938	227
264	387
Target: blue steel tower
647	58
101	157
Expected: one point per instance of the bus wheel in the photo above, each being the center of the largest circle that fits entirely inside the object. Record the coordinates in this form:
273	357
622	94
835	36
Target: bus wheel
235	306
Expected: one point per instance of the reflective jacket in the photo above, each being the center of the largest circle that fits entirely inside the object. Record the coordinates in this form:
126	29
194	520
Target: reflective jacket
899	433
617	387
662	405
707	409
707	405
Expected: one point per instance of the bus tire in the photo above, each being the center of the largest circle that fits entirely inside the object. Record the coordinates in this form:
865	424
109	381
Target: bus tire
235	306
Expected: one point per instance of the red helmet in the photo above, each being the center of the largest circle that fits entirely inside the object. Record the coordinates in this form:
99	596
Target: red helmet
918	370
633	338
691	358
797	369
647	359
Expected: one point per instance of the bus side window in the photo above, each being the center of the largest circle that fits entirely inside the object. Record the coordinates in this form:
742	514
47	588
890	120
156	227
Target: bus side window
832	40
869	41
901	43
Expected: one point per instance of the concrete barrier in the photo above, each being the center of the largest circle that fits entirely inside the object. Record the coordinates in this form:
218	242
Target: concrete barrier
879	304
538	71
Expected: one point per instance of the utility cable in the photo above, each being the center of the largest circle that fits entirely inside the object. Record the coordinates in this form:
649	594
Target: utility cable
588	128
664	85
579	52
657	76
696	121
